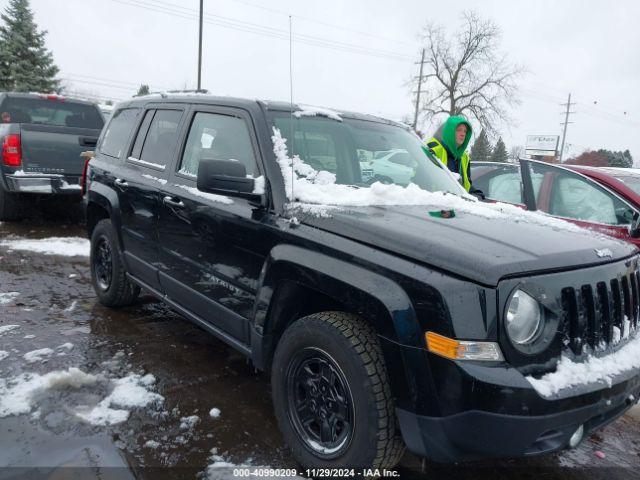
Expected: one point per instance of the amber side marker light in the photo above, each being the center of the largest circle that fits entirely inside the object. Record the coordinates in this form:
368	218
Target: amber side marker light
463	350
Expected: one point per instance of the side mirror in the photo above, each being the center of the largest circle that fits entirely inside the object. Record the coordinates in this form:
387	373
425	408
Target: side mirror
634	229
225	177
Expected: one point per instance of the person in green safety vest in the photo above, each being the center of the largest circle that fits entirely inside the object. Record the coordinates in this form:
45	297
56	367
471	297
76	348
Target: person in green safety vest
449	145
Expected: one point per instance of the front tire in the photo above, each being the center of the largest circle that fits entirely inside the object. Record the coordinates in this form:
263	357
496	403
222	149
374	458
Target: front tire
108	273
331	394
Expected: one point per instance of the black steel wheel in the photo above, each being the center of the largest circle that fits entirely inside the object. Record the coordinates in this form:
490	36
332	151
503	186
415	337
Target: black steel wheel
108	273
331	394
321	406
103	264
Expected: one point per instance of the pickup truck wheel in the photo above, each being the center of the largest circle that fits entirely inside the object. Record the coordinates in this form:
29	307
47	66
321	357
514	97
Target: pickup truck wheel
9	206
331	394
107	271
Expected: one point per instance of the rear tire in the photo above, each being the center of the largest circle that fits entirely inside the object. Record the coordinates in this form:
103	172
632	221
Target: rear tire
108	274
9	205
331	394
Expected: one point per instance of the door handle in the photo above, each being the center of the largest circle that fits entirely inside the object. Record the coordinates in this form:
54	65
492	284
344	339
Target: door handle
121	183
173	202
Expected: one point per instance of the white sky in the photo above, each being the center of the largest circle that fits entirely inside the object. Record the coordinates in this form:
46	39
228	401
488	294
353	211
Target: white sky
588	48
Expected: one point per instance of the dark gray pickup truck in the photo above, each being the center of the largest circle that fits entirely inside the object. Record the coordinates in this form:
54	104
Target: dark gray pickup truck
42	137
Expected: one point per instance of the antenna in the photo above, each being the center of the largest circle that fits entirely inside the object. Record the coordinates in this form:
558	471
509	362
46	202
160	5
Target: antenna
293	175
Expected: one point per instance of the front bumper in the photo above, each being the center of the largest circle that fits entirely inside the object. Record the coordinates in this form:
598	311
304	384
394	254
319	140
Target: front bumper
43	184
494	412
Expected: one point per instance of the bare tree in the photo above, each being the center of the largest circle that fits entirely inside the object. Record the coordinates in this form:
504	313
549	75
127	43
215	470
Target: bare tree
515	153
467	74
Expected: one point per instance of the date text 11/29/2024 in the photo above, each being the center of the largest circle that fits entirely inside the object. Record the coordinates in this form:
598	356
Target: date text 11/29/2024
316	472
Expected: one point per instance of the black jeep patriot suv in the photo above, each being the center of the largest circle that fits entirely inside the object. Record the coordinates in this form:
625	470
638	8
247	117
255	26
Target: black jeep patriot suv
389	313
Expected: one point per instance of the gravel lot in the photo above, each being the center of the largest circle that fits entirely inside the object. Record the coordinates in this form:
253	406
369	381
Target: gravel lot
75	370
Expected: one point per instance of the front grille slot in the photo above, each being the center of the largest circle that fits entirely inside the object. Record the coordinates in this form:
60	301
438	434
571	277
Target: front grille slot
634	296
617	302
570	306
593	322
604	304
626	296
591	312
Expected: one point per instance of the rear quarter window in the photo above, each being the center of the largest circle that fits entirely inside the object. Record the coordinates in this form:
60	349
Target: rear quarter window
115	137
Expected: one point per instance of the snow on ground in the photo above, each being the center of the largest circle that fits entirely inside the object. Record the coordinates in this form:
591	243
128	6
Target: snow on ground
222	469
37	355
71	307
65	246
18	395
129	392
29	336
68	346
7	328
7	297
3	354
317	192
593	370
214	413
21	394
152	444
187	423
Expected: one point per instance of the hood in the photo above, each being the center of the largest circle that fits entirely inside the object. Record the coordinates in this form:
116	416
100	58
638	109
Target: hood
477	248
446	135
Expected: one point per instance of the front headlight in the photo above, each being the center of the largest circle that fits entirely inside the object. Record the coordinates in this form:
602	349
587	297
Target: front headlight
524	318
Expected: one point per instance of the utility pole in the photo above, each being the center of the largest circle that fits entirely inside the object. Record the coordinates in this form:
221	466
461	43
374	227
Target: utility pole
415	116
200	47
565	123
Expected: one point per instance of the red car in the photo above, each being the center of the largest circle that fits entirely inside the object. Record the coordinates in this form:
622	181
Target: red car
603	199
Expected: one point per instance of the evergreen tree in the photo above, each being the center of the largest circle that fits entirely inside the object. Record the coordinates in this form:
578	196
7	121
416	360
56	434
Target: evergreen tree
481	150
143	90
499	153
25	63
618	159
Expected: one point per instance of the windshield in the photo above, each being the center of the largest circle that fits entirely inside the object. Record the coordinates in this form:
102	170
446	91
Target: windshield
59	113
362	153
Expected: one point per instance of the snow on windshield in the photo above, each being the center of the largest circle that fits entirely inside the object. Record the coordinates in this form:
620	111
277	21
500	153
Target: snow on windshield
317	193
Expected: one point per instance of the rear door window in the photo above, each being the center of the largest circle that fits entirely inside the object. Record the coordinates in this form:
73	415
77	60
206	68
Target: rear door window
116	135
142	134
161	139
53	112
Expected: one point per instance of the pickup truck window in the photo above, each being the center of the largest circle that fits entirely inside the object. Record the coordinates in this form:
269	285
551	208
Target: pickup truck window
221	137
351	150
115	137
55	113
161	140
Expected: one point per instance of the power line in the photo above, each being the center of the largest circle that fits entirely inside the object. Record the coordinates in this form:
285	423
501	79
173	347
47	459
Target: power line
110	80
326	24
249	27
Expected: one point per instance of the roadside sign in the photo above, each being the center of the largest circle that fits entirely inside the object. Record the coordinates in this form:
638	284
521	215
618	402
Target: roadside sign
544	145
